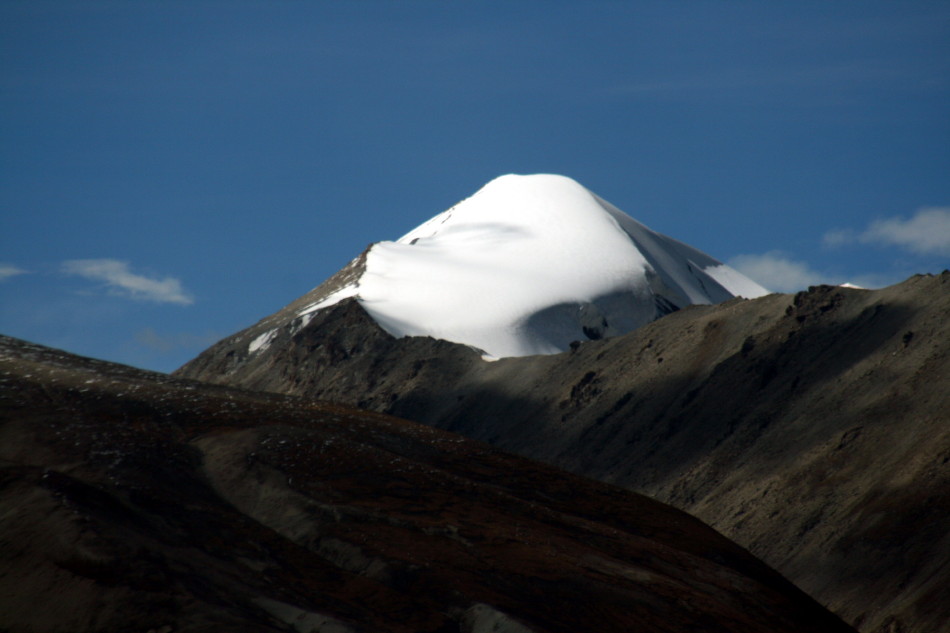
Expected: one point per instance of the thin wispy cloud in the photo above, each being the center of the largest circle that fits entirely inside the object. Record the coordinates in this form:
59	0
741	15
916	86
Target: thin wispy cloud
117	277
9	270
167	343
838	76
778	272
927	232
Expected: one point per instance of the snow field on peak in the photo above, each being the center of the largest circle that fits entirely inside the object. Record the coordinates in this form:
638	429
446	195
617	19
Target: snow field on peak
528	264
478	272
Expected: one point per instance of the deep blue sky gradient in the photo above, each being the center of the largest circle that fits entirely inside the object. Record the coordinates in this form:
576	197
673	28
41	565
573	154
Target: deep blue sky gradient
248	150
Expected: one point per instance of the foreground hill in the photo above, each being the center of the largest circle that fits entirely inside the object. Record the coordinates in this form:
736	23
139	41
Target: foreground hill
813	429
136	502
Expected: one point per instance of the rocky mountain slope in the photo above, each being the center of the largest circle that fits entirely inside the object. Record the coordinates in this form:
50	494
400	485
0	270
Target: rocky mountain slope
132	501
813	429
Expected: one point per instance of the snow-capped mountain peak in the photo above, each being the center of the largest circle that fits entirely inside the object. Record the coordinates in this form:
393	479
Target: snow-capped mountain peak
525	266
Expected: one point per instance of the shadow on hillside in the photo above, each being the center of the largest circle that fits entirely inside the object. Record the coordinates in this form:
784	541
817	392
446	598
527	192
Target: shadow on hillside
809	407
636	426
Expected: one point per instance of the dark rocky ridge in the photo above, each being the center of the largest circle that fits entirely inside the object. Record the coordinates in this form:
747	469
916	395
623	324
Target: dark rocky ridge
132	501
813	429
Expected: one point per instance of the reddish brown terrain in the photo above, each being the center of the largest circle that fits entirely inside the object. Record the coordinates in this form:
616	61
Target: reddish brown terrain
132	501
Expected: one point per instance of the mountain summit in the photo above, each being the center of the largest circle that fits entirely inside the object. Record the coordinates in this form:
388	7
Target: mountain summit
525	266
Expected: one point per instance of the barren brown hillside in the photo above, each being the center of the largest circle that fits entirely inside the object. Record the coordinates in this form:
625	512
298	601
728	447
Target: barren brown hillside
136	502
813	429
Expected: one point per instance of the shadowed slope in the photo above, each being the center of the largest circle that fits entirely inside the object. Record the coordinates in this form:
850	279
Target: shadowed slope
134	501
813	429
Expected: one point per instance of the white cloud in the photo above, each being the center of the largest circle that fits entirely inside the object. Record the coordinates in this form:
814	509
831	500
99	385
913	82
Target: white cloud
9	270
121	280
927	232
838	237
777	272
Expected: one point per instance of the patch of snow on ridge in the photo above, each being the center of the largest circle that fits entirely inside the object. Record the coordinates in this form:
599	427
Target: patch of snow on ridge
331	299
262	342
529	264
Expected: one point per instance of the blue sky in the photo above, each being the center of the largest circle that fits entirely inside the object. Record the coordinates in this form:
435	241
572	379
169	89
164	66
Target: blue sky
170	172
